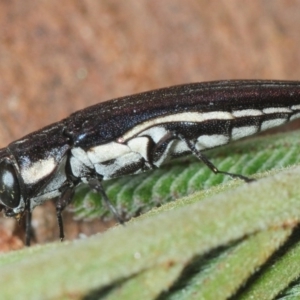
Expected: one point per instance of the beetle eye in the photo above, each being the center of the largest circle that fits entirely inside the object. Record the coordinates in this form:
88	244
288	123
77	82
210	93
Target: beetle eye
9	186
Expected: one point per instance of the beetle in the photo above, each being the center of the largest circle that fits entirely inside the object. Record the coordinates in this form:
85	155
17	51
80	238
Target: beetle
135	134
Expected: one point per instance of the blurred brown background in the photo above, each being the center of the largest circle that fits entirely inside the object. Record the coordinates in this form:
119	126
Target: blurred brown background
60	56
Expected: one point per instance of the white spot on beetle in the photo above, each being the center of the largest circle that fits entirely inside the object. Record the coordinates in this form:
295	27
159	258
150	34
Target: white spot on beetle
211	141
107	152
273	110
156	133
272	123
78	168
180	147
139	145
246	113
81	137
109	171
57	180
194	117
296	107
240	132
38	170
82	156
120	140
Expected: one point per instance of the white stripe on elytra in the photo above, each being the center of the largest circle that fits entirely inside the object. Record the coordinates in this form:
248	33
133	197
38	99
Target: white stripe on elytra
82	156
295	116
179	147
109	171
107	152
272	123
194	117
156	133
272	110
240	132
211	141
296	107
246	113
139	145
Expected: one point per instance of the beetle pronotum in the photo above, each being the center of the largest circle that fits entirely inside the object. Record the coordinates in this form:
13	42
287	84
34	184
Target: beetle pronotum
134	134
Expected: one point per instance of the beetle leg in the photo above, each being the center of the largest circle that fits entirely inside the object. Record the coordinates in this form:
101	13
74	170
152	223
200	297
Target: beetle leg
96	185
64	200
160	147
208	163
28	228
165	139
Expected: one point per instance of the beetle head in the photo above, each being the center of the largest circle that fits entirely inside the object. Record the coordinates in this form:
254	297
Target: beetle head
10	190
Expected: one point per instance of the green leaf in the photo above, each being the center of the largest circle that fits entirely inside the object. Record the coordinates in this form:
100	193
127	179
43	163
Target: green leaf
213	278
280	273
231	240
292	292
